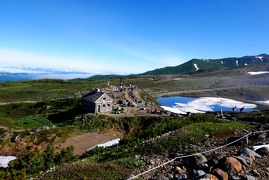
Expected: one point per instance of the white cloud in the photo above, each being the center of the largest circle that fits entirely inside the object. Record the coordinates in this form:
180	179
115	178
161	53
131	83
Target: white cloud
11	57
139	61
18	58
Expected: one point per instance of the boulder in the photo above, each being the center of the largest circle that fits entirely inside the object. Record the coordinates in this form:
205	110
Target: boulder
222	175
251	154
162	177
249	177
181	177
234	177
198	173
244	160
180	170
214	160
200	159
194	161
209	177
232	165
264	151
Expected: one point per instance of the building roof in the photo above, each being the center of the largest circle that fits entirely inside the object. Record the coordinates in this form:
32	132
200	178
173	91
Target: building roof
93	96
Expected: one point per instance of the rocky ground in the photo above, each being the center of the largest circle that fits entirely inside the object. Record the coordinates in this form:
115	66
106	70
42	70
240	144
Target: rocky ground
238	161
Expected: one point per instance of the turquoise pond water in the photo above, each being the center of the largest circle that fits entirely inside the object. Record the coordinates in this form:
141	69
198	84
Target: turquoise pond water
206	104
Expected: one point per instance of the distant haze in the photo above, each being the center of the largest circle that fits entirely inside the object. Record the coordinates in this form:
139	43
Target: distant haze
24	73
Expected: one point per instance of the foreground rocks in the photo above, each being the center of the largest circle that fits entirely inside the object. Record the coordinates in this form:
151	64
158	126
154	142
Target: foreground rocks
245	164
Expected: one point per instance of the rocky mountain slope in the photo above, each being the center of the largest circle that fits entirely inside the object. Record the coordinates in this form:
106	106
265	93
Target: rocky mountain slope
200	65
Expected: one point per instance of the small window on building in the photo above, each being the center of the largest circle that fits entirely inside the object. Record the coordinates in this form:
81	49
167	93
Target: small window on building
104	98
104	105
108	105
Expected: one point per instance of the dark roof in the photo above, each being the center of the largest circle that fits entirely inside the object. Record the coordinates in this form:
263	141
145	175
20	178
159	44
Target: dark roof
93	96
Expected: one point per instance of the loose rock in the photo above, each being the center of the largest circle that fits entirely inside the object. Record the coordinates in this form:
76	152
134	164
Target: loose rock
200	159
180	170
181	177
199	173
248	177
235	177
209	177
221	174
251	154
233	166
244	159
162	178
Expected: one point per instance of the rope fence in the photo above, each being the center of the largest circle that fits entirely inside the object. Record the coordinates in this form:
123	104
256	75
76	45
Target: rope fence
190	155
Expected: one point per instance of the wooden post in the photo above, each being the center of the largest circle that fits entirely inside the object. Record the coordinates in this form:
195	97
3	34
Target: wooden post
174	168
252	138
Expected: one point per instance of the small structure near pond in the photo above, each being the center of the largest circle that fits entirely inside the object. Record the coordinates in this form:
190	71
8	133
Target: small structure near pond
97	102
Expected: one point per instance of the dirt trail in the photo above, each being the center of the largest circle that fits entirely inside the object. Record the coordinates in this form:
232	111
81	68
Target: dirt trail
16	102
84	141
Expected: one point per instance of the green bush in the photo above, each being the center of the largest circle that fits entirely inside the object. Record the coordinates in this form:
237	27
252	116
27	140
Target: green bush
32	163
33	122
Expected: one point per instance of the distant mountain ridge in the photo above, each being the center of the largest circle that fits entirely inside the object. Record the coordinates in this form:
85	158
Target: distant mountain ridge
28	73
198	65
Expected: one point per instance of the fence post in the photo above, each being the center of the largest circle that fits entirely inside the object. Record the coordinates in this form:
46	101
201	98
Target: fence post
252	133
174	168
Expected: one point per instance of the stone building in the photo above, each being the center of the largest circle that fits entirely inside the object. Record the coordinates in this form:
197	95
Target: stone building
97	102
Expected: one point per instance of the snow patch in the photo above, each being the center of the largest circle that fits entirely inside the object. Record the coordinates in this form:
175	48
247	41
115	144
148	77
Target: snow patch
196	67
260	146
173	110
258	72
205	104
259	57
4	160
246	64
236	62
221	62
263	102
106	144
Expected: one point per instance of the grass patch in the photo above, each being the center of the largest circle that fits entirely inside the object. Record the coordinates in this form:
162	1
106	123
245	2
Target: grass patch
130	163
33	122
84	171
190	134
43	89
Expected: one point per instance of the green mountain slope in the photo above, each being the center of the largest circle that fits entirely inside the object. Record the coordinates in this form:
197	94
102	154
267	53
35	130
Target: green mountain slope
197	65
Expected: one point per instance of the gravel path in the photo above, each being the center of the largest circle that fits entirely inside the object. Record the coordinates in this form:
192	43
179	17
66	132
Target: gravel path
84	141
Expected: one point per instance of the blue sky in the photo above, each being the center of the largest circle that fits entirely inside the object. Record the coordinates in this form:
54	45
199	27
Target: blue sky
129	36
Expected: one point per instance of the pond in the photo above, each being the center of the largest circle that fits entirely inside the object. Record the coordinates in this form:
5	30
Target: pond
182	105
